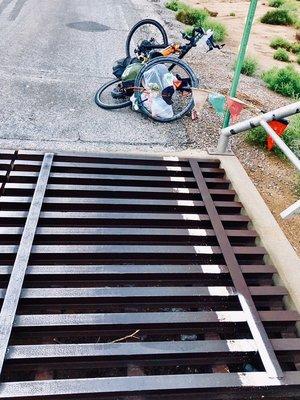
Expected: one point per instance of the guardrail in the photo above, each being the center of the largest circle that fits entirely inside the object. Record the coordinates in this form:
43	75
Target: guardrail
262	120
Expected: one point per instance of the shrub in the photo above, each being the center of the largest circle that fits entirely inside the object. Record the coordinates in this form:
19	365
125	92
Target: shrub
276	3
174	5
295	48
281	55
232	14
278	17
220	31
192	16
249	67
280	42
189	30
298	59
285	81
291	137
200	17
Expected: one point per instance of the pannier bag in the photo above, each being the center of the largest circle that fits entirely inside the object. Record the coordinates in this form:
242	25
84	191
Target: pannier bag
120	66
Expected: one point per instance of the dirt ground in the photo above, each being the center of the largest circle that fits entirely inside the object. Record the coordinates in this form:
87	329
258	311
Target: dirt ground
275	179
261	35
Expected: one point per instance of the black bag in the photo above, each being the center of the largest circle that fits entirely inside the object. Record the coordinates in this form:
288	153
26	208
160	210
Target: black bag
120	66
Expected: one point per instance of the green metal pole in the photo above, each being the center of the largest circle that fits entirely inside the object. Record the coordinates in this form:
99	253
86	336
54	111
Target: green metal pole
241	56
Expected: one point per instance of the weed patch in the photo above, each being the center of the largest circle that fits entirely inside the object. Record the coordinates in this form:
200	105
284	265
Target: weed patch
276	3
285	81
281	55
175	5
282	43
249	67
197	17
278	17
220	31
192	16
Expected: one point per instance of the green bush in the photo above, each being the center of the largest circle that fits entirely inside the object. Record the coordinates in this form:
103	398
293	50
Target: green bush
175	5
249	67
298	59
291	137
281	42
232	14
295	48
285	81
192	16
281	55
172	5
278	17
276	3
220	31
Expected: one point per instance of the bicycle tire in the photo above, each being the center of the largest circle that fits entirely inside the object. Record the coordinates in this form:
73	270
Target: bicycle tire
138	84
106	106
138	25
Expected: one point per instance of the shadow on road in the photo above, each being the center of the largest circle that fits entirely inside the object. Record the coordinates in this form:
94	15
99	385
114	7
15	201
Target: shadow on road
88	26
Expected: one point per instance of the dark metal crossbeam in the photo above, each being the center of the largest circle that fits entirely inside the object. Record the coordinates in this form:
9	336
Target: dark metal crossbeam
14	287
144	292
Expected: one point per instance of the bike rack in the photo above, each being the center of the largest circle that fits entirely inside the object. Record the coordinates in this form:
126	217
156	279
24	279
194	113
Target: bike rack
262	120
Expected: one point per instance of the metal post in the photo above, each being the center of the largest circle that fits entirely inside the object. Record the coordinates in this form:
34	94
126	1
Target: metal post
241	56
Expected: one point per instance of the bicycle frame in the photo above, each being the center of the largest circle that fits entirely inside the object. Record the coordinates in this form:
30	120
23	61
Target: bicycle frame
184	49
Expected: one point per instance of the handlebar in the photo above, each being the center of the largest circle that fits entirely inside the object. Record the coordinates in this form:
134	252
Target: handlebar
197	34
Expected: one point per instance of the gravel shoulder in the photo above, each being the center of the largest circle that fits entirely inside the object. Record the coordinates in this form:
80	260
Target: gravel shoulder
275	179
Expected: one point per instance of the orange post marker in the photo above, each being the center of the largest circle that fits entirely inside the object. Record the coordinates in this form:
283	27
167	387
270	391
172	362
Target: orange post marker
279	126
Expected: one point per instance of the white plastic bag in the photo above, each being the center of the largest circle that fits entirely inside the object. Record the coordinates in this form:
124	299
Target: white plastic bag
156	79
159	108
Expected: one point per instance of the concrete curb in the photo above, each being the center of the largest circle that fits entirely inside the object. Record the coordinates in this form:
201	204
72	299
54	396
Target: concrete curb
281	253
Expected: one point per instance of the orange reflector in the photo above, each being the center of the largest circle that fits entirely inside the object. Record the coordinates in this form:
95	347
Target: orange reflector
279	126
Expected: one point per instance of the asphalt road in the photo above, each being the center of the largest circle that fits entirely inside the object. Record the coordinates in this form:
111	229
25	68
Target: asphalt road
54	54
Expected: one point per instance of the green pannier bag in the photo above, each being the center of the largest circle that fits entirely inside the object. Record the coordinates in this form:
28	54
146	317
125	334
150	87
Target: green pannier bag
131	72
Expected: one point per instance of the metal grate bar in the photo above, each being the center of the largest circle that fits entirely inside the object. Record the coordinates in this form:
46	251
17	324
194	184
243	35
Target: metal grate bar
148	384
14	287
260	336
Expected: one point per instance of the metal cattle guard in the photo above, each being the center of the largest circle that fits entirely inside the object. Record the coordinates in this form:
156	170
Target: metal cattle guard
136	277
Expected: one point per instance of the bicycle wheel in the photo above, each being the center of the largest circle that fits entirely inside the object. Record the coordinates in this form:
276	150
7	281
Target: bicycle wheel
182	98
104	98
148	30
